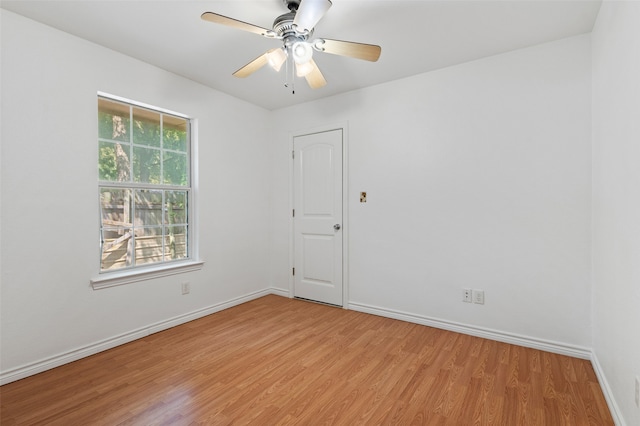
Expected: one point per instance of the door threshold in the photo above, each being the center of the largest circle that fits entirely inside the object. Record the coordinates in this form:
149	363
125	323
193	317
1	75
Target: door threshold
318	302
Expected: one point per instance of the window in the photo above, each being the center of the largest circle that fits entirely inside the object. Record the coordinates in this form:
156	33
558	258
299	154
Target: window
144	185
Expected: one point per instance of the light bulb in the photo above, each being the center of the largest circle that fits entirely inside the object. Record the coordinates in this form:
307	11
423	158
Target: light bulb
302	52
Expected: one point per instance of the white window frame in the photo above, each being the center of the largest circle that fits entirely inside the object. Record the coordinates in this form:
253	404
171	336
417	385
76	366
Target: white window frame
134	274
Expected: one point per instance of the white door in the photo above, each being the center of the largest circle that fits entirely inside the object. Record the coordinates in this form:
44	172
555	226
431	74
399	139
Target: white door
318	224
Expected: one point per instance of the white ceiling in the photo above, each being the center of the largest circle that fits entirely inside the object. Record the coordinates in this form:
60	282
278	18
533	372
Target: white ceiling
416	36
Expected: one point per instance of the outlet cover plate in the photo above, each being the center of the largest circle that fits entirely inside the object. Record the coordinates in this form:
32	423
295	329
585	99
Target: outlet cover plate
478	297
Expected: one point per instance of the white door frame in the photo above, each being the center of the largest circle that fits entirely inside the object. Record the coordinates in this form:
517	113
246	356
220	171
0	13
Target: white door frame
345	206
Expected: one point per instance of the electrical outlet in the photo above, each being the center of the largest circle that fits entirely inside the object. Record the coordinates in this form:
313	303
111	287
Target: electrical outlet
186	288
467	295
478	297
637	392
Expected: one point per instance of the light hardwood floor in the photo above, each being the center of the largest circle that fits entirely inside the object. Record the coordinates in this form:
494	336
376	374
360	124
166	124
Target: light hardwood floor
282	361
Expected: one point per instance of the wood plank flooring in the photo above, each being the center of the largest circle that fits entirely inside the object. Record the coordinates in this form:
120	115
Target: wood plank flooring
278	361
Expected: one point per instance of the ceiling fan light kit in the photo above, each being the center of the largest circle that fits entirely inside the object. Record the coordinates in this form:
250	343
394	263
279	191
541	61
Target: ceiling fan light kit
276	58
295	28
303	69
302	52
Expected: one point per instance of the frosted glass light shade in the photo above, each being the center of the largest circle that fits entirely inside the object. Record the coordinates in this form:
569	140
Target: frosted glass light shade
304	69
276	58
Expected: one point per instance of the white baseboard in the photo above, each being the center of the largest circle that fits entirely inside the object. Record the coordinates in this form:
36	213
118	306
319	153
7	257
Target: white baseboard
487	333
606	390
279	292
85	351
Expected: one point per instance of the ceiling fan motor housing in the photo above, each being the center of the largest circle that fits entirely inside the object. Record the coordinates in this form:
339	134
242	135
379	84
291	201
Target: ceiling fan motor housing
292	5
283	24
284	28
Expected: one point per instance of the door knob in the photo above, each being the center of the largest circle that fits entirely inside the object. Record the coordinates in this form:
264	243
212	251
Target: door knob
336	226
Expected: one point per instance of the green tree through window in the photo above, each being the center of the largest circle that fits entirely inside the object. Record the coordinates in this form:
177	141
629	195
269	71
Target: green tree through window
144	183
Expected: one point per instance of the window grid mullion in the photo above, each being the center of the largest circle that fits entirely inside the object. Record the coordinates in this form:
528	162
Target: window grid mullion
162	148
132	202
132	192
130	144
136	185
163	222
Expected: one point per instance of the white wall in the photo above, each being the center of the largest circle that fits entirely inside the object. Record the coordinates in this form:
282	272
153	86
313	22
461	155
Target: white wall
616	200
477	176
50	215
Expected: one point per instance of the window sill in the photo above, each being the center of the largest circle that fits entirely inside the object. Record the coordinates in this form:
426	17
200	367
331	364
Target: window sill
113	279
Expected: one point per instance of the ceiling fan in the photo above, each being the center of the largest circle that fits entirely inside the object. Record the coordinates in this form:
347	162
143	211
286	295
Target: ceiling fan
295	29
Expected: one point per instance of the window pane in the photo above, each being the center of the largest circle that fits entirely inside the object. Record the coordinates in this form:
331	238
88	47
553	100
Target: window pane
116	232
107	169
176	243
115	206
148	245
146	165
115	253
113	161
113	120
146	127
175	168
176	207
148	208
174	133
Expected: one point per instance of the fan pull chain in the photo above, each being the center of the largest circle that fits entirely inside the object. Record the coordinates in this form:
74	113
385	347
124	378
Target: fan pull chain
290	72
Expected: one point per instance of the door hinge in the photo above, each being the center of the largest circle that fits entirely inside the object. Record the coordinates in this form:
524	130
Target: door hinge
293	154
294	271
293	213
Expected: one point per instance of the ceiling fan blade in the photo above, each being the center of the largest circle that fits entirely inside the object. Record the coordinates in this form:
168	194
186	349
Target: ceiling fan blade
315	77
309	13
254	65
230	22
368	52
